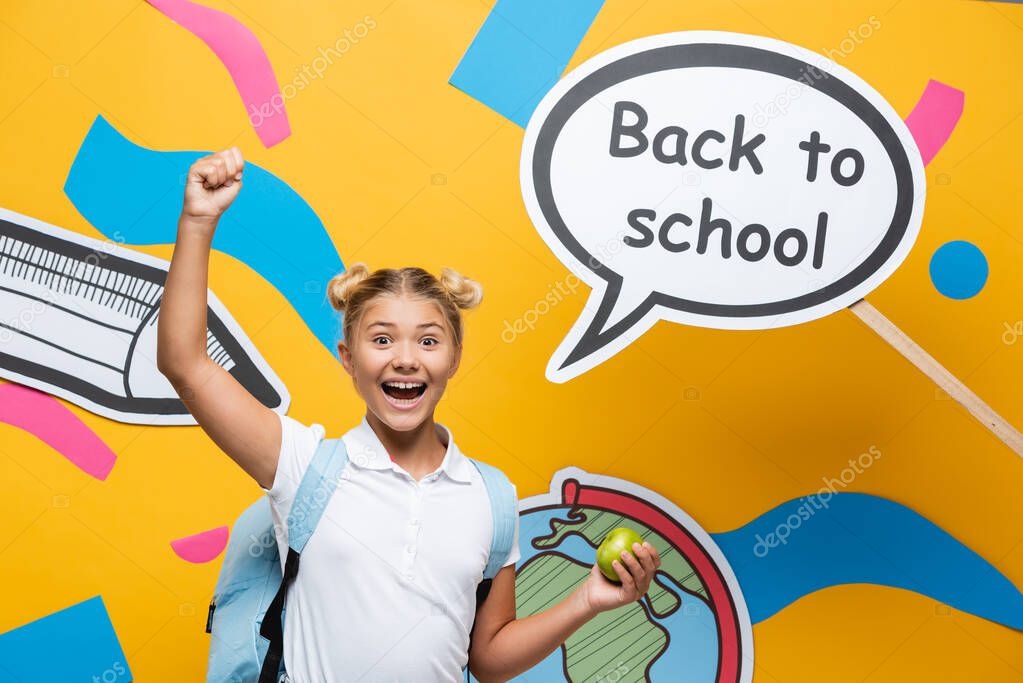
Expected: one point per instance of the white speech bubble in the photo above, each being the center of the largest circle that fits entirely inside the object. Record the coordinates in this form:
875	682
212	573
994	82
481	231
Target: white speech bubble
716	179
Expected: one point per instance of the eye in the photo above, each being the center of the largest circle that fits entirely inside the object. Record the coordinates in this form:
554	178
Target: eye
435	342
380	337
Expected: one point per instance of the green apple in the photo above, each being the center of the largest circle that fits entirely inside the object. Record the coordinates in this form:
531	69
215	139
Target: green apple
611	549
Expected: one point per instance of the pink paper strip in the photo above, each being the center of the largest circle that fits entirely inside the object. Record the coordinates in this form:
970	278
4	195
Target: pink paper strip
50	421
935	117
201	547
246	61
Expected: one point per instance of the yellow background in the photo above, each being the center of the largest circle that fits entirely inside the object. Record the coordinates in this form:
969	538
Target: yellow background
770	414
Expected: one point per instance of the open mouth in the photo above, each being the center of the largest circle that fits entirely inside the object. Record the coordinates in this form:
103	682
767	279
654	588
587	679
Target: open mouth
403	394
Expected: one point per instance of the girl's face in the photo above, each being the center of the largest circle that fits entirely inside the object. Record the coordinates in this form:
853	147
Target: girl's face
401	357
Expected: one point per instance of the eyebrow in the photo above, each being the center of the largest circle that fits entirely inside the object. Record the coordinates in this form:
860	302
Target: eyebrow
381	323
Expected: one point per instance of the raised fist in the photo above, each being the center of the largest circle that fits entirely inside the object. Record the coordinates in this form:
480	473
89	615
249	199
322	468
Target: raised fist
213	183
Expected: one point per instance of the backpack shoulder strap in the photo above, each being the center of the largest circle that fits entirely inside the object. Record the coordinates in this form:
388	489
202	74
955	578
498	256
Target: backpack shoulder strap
505	510
319	480
315	490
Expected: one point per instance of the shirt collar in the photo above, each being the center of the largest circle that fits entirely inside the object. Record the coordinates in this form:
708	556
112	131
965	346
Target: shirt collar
365	450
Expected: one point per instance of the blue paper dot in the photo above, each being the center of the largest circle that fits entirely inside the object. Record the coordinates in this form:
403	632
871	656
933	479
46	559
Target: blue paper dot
959	269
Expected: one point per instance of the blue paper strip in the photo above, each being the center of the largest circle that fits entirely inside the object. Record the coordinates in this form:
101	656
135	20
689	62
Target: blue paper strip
77	643
521	51
133	195
859	538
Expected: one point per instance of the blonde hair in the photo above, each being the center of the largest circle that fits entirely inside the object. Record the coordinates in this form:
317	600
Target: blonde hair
352	291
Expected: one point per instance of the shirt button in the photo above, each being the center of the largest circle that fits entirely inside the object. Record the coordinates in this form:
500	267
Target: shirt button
414	522
410	549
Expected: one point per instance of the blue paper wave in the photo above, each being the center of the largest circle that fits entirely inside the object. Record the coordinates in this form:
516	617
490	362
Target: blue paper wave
133	195
833	539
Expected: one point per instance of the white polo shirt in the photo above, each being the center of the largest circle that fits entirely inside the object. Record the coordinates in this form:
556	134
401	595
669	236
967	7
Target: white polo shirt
386	587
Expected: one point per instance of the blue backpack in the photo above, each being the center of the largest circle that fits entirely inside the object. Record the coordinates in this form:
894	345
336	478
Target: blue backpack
248	632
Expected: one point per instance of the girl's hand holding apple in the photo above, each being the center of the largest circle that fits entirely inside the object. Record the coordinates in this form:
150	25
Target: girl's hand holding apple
635	571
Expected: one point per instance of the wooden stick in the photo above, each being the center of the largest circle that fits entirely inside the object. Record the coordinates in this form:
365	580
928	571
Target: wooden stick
942	377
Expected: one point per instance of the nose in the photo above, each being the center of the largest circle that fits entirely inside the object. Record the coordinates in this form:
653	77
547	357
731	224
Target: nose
405	356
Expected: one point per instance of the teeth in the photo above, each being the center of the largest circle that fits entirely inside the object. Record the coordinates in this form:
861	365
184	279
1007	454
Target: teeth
404	385
404	402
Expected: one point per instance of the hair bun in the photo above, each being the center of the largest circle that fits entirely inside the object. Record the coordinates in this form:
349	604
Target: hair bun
342	285
464	292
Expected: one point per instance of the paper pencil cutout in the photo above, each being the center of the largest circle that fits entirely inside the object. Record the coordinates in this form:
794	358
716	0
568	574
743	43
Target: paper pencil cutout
78	319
